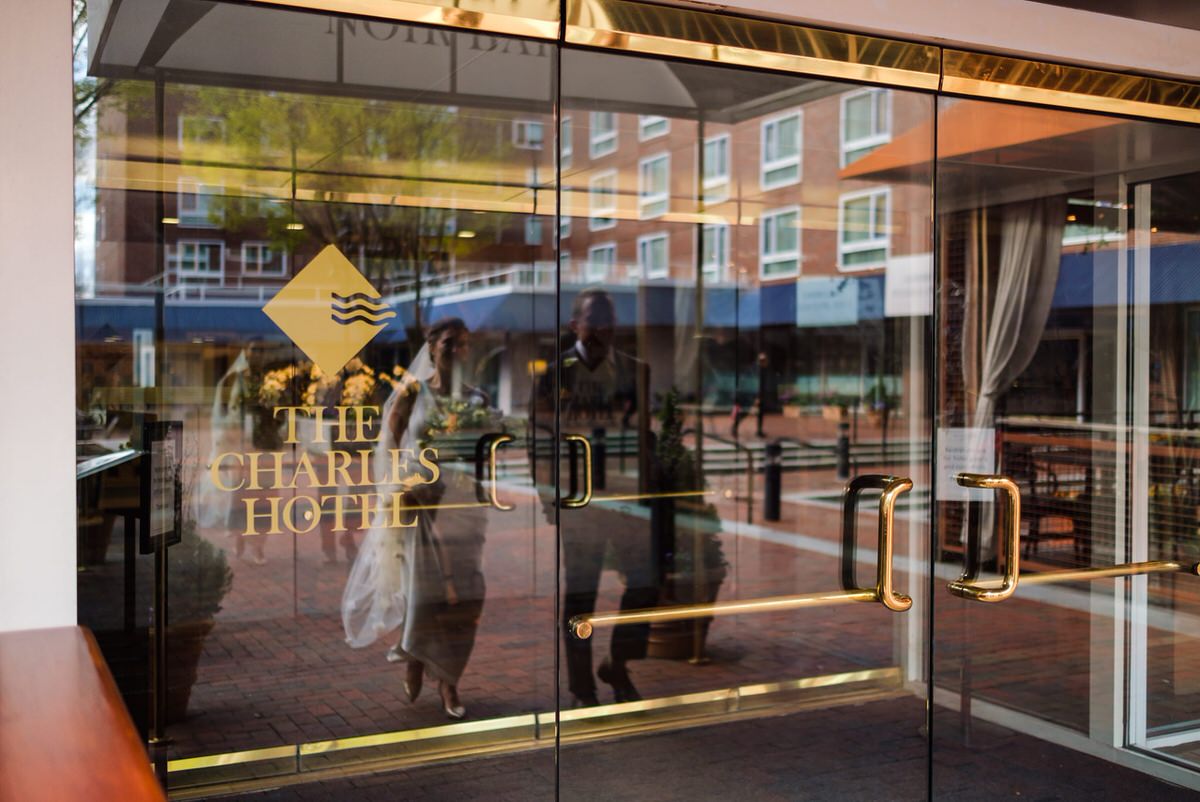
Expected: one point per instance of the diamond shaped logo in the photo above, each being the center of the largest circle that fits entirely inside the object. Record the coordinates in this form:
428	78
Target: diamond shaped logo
329	310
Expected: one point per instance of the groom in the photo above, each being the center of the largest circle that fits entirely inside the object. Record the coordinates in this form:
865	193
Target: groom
599	388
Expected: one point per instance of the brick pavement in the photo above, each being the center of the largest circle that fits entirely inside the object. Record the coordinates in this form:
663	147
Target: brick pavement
276	671
271	675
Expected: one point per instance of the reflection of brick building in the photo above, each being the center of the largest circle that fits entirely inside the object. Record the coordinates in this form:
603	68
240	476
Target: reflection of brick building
630	190
778	223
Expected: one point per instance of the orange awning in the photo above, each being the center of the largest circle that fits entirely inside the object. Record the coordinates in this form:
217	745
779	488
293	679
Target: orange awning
969	128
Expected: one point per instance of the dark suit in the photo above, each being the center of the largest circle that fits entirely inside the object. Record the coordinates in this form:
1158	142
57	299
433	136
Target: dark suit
603	396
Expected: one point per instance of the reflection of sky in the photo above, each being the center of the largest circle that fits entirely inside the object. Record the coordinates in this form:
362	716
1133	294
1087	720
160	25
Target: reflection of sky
85	191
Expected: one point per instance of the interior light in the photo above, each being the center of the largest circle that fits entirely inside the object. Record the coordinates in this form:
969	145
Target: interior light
170	221
1153	229
295	226
1070	218
466	235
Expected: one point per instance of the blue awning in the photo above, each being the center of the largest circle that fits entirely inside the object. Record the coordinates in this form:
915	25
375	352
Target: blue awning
1084	280
1091	279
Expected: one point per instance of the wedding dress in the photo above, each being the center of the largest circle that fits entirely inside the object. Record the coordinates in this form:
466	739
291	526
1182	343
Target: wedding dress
399	579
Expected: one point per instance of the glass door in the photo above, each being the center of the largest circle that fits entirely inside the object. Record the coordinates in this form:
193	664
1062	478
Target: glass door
325	250
1066	513
740	400
631	426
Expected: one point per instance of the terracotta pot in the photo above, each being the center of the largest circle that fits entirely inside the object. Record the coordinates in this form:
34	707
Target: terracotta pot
683	640
831	412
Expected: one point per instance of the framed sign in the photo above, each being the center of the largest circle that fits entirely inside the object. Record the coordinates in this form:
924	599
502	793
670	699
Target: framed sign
162	484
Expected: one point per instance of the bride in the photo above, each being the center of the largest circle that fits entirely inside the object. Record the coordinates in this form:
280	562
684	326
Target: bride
426	581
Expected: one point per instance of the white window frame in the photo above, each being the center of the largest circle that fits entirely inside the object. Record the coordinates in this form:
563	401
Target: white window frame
605	142
716	270
174	256
590	274
765	259
765	166
646	199
566	145
716	188
533	224
197	214
647	124
564	226
643	268
874	139
262	268
185	118
883	241
601	218
520	134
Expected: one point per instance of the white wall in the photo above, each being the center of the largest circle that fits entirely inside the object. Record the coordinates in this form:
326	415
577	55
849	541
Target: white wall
37	324
1015	27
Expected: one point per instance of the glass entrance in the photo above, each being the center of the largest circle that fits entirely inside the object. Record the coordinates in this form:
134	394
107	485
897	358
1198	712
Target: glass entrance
562	422
1065	514
328	258
735	391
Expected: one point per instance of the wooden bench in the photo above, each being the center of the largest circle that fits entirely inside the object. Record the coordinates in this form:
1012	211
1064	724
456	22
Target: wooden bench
64	732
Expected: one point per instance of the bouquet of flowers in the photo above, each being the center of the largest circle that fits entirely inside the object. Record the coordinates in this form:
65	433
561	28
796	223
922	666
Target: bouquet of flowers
457	415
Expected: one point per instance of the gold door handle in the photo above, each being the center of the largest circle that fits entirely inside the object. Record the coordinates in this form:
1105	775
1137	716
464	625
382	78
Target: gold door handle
582	626
586	497
891	487
493	491
968	588
965	586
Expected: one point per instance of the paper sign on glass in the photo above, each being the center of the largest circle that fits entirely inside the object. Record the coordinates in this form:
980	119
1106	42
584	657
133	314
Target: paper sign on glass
964	450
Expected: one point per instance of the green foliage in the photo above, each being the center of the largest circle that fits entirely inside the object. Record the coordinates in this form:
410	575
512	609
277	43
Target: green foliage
678	471
341	168
199	576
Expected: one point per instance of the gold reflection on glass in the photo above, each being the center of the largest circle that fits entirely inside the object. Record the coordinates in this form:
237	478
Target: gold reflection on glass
535	18
1005	78
518	731
713	37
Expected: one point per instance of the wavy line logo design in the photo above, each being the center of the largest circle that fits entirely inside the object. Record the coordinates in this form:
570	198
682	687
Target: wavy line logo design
360	308
330	310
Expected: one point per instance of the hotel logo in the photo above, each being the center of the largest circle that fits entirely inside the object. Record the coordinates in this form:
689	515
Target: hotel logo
329	310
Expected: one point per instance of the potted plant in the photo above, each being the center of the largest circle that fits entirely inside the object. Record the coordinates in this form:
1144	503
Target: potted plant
687	531
834	408
199	577
877	402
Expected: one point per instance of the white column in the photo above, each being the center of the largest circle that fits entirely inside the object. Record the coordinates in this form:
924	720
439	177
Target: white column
37	325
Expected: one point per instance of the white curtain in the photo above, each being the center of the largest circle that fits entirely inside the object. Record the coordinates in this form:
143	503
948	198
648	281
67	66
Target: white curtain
1030	250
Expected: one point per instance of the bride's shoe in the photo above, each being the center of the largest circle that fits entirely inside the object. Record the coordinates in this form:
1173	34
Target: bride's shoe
414	671
450	703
